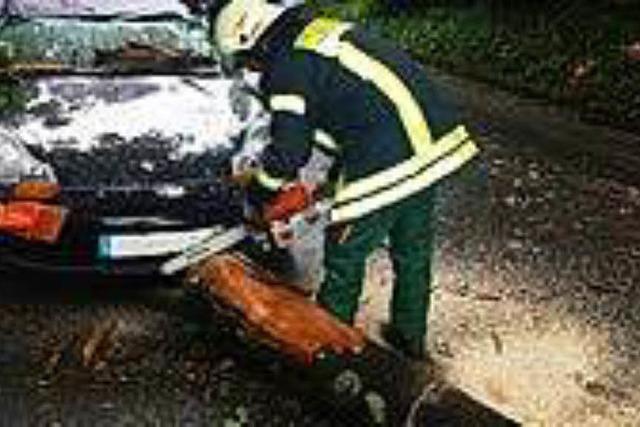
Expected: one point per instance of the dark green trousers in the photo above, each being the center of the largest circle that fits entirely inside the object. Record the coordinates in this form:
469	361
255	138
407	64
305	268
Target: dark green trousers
409	226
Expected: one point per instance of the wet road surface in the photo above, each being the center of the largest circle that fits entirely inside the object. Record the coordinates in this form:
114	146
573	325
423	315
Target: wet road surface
130	358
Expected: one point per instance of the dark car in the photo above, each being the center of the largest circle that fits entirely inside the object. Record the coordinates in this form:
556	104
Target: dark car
129	115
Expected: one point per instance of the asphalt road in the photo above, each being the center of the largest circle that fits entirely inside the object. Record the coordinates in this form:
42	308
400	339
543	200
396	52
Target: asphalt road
535	309
130	358
84	355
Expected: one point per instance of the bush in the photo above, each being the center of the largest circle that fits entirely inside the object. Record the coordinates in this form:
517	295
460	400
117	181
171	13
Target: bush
12	96
582	61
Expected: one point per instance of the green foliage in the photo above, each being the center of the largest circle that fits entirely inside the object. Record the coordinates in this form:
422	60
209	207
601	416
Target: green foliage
355	10
12	97
580	65
580	61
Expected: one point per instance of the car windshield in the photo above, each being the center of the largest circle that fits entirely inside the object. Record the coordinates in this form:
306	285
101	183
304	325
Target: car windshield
91	34
89	8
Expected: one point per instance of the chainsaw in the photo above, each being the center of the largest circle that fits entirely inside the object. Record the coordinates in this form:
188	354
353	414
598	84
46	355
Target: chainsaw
293	215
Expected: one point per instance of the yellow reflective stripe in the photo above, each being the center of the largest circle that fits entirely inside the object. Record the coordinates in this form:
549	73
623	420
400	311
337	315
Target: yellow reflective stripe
431	162
269	181
410	113
325	140
291	103
323	37
411	186
409	167
322	34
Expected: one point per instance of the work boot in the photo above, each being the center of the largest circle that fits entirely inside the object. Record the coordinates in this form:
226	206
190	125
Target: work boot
411	347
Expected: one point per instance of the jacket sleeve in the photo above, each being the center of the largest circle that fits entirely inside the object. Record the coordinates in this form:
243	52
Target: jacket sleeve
287	94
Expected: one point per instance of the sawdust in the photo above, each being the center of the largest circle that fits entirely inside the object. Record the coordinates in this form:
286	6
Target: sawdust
538	377
535	363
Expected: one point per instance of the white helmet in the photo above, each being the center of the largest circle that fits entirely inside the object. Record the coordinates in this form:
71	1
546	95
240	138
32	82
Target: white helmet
240	24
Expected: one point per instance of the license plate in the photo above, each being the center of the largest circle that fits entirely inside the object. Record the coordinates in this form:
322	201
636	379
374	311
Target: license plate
152	244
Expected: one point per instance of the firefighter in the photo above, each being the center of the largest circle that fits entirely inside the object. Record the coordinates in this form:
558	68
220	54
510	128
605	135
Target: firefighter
393	135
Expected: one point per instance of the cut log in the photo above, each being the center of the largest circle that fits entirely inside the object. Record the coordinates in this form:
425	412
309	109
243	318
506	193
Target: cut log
354	379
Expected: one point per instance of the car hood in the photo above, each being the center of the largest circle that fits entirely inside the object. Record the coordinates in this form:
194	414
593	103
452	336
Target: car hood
131	129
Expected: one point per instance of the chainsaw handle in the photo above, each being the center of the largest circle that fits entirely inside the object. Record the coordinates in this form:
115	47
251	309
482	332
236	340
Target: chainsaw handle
289	201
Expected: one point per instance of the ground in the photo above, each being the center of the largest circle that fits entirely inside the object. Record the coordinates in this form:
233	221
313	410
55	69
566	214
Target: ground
533	302
535	297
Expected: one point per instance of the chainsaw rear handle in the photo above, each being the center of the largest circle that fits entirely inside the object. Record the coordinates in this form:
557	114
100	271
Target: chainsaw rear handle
295	228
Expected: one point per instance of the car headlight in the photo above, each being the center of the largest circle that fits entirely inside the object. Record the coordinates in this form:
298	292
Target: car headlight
17	163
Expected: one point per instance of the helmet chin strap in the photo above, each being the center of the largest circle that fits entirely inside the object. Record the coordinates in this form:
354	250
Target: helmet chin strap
231	65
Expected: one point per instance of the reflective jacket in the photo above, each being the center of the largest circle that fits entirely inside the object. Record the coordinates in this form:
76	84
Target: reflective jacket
391	130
